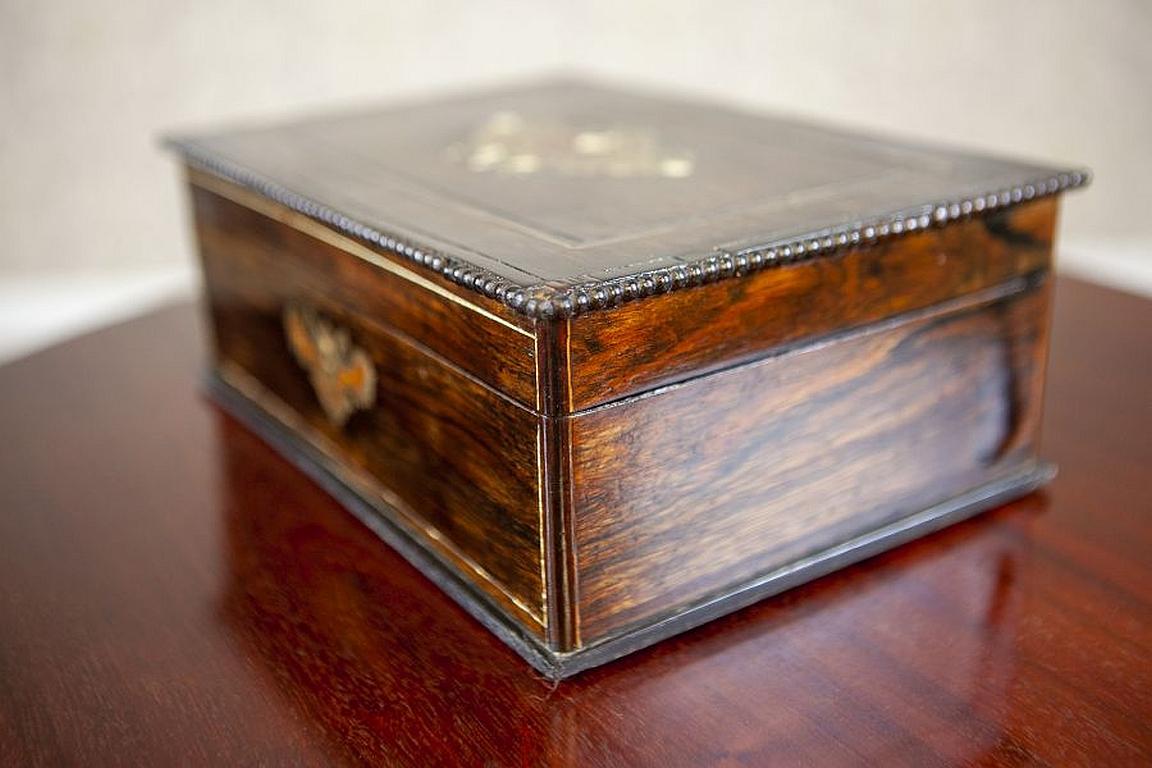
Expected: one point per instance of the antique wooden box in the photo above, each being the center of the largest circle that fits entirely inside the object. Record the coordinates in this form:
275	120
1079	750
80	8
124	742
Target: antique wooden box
607	365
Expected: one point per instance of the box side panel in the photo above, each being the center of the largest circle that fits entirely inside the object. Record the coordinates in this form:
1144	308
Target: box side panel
479	336
687	493
670	337
453	459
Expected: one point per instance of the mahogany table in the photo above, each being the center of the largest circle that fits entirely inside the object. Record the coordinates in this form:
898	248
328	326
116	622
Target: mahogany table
173	593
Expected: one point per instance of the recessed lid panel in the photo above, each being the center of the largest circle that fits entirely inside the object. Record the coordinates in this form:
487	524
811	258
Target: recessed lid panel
564	196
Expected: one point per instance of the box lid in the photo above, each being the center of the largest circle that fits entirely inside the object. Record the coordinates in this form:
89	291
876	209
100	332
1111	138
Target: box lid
566	197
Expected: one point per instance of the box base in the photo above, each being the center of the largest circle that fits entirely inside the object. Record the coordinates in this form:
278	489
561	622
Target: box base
382	520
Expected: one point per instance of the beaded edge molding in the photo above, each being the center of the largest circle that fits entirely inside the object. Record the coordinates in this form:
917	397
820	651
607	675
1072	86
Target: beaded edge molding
544	302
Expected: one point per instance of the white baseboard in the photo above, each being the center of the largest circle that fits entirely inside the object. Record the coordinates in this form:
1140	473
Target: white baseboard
1126	265
40	310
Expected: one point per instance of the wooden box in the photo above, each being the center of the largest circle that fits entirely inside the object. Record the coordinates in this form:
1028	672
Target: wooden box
607	365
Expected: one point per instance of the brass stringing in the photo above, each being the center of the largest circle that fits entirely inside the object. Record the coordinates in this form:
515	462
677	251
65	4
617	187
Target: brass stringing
341	373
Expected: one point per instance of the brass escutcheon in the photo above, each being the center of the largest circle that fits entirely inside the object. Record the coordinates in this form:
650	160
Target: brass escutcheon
342	374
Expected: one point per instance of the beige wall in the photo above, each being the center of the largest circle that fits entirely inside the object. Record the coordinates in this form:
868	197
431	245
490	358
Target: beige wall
87	85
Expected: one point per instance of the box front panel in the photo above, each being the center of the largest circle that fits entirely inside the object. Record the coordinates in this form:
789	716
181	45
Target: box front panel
448	458
683	494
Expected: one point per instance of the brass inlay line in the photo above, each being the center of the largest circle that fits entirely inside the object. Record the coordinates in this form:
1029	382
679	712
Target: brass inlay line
571	551
568	361
314	229
540	513
536	370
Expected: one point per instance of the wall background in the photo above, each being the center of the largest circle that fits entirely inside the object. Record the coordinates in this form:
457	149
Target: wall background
92	219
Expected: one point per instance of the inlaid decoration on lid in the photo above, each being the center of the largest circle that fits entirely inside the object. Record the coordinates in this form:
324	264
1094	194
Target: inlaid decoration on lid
508	142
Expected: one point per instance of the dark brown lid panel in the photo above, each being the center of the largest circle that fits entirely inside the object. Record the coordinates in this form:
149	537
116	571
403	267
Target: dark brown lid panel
541	196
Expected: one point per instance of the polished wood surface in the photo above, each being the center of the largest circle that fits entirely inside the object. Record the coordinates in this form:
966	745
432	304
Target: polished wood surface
562	487
657	341
448	442
263	253
698	489
174	593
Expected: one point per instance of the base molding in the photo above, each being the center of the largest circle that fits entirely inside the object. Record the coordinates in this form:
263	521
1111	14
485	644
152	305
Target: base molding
384	522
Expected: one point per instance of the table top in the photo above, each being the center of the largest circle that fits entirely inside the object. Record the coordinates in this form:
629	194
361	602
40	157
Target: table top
174	593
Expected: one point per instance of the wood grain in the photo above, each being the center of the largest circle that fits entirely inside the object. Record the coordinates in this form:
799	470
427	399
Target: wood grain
172	592
670	337
457	460
243	248
487	436
696	489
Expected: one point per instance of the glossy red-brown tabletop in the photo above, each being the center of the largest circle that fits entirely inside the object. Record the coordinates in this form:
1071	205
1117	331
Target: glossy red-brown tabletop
174	593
